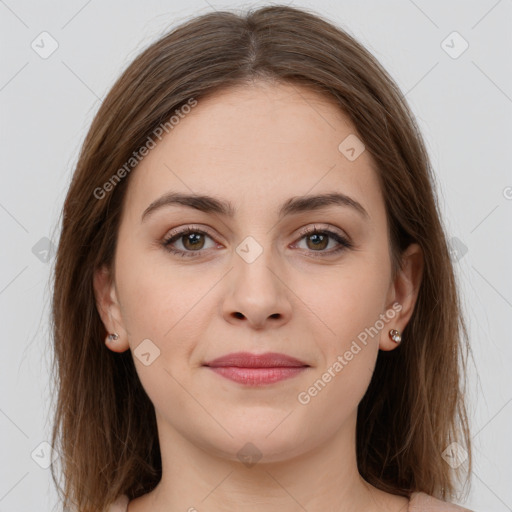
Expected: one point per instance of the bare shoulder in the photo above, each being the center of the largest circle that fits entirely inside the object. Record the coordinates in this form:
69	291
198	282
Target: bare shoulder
422	502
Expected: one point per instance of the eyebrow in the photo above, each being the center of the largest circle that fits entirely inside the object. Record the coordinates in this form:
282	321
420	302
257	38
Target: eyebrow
294	205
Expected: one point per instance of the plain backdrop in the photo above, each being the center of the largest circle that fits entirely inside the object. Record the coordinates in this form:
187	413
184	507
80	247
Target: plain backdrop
459	86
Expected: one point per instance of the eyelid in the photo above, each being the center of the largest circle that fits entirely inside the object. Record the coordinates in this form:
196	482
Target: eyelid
189	227
321	228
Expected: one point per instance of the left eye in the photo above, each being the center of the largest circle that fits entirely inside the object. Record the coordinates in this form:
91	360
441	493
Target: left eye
193	241
319	240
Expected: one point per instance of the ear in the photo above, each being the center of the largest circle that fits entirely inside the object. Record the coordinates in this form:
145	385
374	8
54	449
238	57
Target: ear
109	309
402	294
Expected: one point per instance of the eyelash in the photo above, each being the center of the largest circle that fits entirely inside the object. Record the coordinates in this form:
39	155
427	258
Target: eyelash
344	243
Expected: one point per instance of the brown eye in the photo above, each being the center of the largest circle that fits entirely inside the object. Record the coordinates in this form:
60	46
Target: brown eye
317	241
192	241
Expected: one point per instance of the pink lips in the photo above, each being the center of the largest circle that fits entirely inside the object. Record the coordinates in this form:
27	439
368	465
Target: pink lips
256	369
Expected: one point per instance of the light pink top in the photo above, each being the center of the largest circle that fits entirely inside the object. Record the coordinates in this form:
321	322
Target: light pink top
420	502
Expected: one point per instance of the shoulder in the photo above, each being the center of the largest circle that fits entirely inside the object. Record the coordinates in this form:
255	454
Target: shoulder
422	502
120	505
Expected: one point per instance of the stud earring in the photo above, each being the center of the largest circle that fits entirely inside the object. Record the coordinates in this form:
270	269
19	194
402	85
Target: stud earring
113	336
395	335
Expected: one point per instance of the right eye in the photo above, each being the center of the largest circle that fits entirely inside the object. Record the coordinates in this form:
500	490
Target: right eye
191	238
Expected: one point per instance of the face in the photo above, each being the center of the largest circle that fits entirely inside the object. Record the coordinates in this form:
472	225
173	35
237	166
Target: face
255	278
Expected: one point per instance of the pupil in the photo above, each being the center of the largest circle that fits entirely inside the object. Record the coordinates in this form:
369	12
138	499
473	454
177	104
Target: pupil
317	239
193	238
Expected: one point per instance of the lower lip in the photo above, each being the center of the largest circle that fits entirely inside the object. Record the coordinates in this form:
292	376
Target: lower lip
257	376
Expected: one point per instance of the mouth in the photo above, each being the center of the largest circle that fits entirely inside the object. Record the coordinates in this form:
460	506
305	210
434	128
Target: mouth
256	369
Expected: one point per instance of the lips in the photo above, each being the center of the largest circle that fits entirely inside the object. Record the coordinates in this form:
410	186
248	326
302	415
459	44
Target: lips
248	360
256	369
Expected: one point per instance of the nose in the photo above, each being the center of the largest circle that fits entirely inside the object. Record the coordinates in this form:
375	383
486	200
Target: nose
257	293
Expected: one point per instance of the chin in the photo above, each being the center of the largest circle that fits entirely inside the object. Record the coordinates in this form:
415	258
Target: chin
259	444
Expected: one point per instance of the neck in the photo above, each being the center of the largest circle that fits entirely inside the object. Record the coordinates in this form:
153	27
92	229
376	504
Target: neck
195	479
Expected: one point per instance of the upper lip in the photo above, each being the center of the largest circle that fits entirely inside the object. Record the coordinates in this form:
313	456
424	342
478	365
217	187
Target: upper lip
248	360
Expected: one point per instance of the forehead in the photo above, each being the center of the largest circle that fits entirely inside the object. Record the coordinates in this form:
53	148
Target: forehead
257	145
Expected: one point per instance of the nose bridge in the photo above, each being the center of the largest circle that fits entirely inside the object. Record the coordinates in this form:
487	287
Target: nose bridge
256	265
257	291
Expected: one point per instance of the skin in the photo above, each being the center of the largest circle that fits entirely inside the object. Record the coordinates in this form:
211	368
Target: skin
256	146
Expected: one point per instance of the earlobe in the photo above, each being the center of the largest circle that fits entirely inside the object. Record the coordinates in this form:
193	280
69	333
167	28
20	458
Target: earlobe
109	311
114	342
403	296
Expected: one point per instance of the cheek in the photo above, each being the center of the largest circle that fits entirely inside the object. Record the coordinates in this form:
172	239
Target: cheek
162	303
347	300
351	308
355	303
150	299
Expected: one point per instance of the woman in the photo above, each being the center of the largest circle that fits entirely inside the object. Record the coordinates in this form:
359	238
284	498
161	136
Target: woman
254	302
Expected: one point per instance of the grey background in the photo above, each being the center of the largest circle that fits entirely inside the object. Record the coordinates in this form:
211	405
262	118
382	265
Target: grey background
463	106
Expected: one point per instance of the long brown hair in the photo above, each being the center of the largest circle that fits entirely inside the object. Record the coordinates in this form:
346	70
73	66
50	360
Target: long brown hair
414	408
